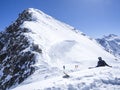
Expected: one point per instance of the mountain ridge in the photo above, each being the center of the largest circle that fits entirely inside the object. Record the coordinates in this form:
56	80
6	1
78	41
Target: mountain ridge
16	63
36	46
111	44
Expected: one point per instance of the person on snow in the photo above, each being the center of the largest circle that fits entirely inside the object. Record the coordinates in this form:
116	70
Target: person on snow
102	63
64	67
65	74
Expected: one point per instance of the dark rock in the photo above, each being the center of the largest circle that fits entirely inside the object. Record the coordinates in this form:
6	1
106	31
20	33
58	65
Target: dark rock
14	61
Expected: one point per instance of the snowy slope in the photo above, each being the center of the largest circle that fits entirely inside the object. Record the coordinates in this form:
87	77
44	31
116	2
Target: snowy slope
103	78
111	43
60	44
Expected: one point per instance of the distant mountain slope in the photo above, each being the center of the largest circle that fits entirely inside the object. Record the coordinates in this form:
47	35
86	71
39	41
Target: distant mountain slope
111	43
36	46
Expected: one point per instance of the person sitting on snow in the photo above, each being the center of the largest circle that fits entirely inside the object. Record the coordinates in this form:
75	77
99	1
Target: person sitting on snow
102	63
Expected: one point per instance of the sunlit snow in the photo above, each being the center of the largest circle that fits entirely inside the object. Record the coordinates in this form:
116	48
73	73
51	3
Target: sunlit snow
62	45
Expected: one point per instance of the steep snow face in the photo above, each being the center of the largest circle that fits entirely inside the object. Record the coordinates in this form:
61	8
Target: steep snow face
62	45
37	46
111	43
58	38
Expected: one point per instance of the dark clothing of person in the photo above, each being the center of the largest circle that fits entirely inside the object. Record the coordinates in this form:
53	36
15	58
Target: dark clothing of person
63	67
101	63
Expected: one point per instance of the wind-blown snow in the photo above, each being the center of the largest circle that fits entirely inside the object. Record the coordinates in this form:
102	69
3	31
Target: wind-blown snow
62	45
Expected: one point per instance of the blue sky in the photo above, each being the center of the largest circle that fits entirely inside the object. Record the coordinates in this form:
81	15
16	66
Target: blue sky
93	17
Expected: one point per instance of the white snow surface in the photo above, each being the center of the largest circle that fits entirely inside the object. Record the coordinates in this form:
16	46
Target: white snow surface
62	45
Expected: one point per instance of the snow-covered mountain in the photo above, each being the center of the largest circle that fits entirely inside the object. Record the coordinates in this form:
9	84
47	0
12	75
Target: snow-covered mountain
34	49
111	43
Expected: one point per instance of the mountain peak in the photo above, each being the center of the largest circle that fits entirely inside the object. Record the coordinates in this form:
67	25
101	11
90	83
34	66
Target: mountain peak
110	36
27	15
32	14
36	46
111	43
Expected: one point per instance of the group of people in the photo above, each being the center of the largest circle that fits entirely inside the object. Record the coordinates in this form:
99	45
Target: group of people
101	63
